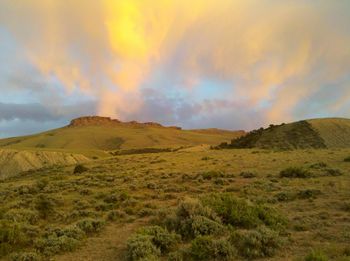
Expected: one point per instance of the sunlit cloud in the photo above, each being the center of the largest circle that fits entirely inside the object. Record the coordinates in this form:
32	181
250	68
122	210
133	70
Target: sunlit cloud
272	56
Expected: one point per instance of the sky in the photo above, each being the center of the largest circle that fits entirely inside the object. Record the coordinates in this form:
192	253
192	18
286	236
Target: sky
234	64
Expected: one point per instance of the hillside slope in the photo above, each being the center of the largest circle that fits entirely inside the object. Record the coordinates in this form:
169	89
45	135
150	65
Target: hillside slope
100	133
13	162
316	133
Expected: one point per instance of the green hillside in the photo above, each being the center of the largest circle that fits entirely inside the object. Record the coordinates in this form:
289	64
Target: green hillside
315	133
92	134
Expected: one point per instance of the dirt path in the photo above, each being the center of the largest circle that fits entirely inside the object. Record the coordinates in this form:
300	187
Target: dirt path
108	246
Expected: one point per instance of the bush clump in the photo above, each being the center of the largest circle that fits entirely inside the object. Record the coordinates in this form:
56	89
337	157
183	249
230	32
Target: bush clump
262	242
59	240
140	247
316	256
161	238
44	205
14	235
347	159
295	172
241	213
209	248
25	256
91	226
247	175
80	169
192	219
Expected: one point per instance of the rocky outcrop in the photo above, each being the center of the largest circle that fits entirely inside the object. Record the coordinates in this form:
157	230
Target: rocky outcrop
103	121
93	120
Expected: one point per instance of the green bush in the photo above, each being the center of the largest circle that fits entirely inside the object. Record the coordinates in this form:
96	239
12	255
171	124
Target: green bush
333	172
42	184
316	256
25	256
240	213
44	205
212	175
91	226
309	193
22	216
161	238
202	226
285	196
14	235
140	247
58	240
176	256
192	218
295	172
208	248
247	175
262	242
80	169
115	215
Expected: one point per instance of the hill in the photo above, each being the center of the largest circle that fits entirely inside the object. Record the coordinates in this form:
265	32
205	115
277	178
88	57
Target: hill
315	133
13	162
89	135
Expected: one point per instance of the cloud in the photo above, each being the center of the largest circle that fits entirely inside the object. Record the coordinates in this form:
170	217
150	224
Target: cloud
39	113
275	57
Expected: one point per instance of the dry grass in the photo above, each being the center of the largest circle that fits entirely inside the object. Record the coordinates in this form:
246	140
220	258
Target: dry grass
130	188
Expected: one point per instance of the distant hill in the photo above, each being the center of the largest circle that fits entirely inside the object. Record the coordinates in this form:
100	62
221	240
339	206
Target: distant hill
86	135
315	133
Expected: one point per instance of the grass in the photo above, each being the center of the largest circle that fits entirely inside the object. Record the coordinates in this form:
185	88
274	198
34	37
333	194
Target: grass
180	206
93	140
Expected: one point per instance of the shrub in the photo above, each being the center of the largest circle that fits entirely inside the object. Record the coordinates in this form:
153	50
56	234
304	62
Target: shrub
309	193
80	169
91	226
140	247
247	175
347	159
44	205
263	242
192	218
285	196
22	216
41	184
201	226
238	212
25	256
208	248
333	172
295	172
161	238
176	256
319	165
59	240
115	215
316	256
212	174
13	235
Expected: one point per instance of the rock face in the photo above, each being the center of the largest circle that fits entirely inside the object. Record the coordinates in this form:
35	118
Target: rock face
93	120
103	121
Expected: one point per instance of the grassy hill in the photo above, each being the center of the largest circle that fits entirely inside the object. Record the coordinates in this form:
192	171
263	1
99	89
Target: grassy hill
89	135
315	133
